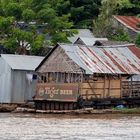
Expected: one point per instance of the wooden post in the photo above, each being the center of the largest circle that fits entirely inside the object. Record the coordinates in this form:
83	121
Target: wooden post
57	77
120	86
104	86
47	77
80	82
131	87
71	77
109	86
92	88
81	78
64	77
68	77
60	77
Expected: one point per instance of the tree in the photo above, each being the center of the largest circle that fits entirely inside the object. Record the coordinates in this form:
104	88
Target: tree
17	40
13	9
117	34
58	25
24	24
102	26
133	9
83	12
28	15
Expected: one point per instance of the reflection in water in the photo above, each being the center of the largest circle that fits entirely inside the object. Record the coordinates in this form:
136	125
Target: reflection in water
68	127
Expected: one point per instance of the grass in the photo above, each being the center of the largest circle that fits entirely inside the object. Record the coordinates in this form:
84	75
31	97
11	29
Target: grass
128	110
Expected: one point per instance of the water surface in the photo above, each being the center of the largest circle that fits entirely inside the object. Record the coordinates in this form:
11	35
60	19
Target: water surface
69	127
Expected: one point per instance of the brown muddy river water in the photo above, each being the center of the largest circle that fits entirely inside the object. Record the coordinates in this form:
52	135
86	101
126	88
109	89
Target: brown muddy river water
69	127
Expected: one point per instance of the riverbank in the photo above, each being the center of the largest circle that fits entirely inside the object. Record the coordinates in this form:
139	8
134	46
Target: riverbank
19	109
81	111
8	107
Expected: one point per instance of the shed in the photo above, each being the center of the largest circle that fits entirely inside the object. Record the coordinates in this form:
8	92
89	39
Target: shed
17	77
81	33
130	24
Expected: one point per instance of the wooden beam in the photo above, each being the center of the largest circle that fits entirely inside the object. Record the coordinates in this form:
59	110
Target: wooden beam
131	87
120	86
92	88
104	86
109	86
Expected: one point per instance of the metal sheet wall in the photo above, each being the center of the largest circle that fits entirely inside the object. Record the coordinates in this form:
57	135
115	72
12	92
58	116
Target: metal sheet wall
5	82
22	89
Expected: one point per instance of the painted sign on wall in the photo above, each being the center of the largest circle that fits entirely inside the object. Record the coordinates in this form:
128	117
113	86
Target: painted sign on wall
57	92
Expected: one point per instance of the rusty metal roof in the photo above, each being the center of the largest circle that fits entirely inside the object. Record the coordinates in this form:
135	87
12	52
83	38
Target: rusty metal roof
120	59
129	21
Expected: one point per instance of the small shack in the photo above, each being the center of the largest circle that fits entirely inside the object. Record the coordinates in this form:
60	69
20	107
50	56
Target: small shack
81	33
71	71
130	24
17	77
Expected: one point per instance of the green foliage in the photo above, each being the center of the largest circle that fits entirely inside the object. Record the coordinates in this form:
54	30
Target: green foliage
21	35
83	12
37	44
102	26
76	12
118	34
13	9
28	15
57	18
5	25
138	40
132	9
46	15
34	15
138	25
11	44
138	15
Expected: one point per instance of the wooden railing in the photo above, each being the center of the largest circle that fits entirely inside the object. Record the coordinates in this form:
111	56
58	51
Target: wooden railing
131	89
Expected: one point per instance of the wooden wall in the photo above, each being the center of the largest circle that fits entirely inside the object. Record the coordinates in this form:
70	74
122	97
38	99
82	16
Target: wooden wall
102	88
59	61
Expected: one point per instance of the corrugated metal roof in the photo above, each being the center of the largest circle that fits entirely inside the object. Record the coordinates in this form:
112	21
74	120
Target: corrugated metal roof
81	33
22	62
129	21
114	60
89	41
113	43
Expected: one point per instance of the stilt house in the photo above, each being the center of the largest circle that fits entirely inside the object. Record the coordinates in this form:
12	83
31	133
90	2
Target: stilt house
70	71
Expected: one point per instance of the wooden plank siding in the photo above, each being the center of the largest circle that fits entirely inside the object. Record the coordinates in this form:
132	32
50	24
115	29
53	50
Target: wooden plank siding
103	88
59	62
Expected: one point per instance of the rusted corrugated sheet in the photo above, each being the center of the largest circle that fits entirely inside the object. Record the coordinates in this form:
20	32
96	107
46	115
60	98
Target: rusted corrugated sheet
116	60
129	21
